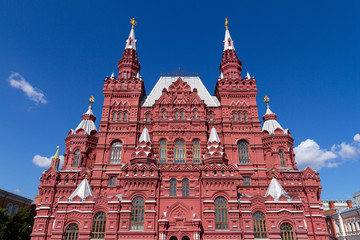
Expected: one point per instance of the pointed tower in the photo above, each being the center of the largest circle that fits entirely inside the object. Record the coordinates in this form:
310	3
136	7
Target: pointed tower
128	65
230	66
143	152
82	141
55	161
215	152
278	141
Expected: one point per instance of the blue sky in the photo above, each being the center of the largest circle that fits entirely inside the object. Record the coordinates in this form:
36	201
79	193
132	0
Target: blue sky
304	55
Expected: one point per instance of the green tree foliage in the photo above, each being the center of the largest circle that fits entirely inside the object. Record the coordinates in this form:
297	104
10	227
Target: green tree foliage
18	226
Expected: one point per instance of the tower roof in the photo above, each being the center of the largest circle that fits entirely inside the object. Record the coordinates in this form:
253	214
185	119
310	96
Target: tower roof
276	190
214	137
87	123
145	136
131	41
270	120
228	42
83	191
56	156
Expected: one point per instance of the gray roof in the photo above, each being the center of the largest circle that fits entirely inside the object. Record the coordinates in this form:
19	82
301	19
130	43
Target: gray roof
194	82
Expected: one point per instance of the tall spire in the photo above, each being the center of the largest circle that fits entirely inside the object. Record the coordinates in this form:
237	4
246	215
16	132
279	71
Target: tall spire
228	42
131	41
230	66
128	65
55	161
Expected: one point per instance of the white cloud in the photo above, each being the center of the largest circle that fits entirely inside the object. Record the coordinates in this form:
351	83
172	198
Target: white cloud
44	162
309	153
18	81
17	190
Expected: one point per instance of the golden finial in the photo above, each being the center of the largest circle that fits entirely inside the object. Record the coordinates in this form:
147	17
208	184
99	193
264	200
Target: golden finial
226	23
57	147
91	100
273	173
266	100
87	173
133	22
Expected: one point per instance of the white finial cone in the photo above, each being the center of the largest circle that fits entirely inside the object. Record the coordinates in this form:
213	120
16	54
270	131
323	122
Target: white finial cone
213	136
145	136
248	75
228	42
131	41
276	190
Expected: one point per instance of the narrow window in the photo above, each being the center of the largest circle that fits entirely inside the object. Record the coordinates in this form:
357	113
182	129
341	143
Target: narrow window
72	232
179	152
196	151
211	117
15	210
240	119
122	85
176	115
148	117
162	157
173	187
124	74
259	225
282	158
245	117
237	85
112	181
114	117
119	116
195	114
125	116
243	151
234	116
164	115
9	208
286	231
247	181
221	213
76	158
185	187
182	115
137	214
99	223
116	148
234	75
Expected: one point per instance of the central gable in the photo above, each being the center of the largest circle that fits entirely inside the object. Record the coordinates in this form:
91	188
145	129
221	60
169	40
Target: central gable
193	82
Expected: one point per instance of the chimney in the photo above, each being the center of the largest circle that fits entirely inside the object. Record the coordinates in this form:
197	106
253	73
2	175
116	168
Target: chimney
331	204
349	203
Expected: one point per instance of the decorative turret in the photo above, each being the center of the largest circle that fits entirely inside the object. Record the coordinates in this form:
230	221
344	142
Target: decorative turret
215	152
143	152
88	120
270	122
230	66
128	65
55	161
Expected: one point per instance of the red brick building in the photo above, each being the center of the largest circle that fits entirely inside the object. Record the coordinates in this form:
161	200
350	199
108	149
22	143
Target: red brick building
179	163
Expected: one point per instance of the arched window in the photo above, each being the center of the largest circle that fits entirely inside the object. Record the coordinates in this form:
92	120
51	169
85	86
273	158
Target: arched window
9	208
240	118
137	214
76	158
15	209
185	187
162	157
119	116
173	187
176	115
211	115
122	85
259	225
164	115
243	150
195	114
148	117
282	158
125	116
99	223
221	213
179	152
114	117
72	232
182	115
286	231
245	117
196	151
234	116
116	148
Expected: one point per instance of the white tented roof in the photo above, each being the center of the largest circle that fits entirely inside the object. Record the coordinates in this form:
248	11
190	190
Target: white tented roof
87	124
145	136
271	125
276	190
194	82
228	42
83	191
214	137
